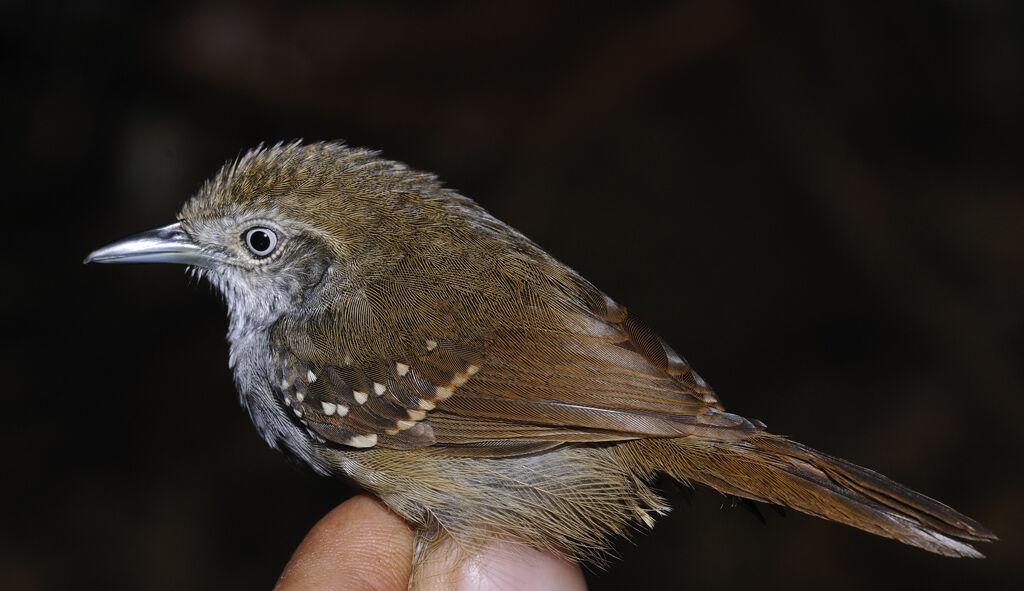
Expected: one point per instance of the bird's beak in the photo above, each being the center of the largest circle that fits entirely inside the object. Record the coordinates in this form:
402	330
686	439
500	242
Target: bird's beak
169	244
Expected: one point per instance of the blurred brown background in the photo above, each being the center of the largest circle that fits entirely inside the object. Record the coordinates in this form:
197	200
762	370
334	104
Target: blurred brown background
820	204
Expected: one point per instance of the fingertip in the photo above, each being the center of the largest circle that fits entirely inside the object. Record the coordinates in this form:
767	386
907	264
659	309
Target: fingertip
502	566
515	566
359	545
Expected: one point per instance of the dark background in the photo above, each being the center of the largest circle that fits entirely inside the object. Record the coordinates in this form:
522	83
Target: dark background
818	203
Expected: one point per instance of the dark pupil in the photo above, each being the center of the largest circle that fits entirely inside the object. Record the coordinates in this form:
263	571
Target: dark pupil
259	241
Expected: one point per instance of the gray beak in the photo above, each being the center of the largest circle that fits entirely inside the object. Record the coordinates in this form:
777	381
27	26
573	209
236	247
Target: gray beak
169	244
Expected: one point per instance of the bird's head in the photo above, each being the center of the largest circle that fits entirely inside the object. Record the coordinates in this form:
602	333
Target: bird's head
288	225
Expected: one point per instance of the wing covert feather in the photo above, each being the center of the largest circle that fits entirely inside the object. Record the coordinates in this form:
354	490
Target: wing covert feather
552	360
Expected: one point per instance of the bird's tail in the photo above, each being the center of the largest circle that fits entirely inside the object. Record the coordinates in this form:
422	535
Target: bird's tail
773	469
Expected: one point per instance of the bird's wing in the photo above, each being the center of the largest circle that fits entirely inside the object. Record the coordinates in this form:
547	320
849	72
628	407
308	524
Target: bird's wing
557	361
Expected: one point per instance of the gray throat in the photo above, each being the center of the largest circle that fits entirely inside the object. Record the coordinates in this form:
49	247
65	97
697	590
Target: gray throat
250	320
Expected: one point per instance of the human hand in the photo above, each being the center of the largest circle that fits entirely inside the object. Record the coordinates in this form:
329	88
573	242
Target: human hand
363	546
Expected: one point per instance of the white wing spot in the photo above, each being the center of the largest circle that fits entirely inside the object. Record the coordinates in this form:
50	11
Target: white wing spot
310	376
462	378
288	400
403	425
361	397
402	369
431	345
300	396
342	410
329	407
379	389
426	404
363	440
443	393
415	414
297	411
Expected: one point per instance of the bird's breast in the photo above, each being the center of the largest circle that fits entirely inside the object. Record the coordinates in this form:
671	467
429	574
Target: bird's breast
260	392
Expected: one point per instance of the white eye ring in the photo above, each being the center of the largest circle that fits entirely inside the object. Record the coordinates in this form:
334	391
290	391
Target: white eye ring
260	241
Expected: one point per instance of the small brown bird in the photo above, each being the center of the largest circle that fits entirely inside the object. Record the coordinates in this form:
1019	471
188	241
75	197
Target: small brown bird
389	330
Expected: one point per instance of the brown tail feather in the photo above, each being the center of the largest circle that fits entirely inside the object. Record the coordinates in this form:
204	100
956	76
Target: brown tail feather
773	469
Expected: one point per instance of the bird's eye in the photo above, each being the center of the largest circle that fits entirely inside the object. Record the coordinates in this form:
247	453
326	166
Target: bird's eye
260	241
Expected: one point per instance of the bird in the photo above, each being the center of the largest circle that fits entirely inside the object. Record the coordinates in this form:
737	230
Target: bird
388	330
